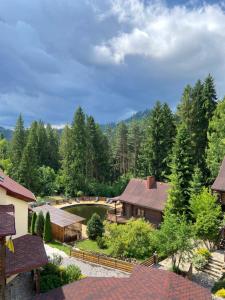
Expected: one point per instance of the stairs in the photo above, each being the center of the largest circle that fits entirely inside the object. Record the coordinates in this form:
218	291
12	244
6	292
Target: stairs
214	268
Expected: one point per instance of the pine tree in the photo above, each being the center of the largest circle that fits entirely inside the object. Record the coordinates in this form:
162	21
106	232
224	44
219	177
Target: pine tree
121	149
182	170
33	222
184	109
47	236
216	140
210	97
92	148
39	225
197	181
17	147
42	142
28	168
157	145
134	142
53	147
95	227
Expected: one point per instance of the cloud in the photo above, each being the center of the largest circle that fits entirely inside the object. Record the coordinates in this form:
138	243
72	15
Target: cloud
111	57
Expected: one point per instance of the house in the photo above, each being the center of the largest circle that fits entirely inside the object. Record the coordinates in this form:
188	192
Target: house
66	227
219	184
142	198
29	252
13	193
144	283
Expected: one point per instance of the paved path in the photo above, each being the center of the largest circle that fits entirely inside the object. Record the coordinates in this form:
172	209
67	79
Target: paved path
88	269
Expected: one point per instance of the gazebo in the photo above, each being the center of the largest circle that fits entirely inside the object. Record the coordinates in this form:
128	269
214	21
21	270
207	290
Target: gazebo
66	227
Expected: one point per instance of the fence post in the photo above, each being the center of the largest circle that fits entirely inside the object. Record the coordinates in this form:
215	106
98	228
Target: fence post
155	258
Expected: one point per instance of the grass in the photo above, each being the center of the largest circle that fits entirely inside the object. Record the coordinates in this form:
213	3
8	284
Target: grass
89	245
60	246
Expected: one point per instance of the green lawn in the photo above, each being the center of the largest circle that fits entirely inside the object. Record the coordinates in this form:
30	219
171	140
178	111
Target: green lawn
60	246
89	245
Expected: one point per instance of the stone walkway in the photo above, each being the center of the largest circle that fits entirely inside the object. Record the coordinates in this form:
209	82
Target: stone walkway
88	269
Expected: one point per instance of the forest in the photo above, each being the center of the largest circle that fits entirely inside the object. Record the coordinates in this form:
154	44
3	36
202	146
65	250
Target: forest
184	147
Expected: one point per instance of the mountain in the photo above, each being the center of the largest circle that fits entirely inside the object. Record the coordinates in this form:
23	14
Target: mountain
140	115
7	133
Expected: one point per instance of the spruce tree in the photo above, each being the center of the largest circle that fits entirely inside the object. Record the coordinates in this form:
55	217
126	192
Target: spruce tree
53	147
39	224
95	227
92	148
121	149
134	143
17	147
158	141
47	236
33	222
182	170
42	144
216	140
197	181
28	168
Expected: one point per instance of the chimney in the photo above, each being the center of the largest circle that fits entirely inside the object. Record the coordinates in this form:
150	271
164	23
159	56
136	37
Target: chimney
150	182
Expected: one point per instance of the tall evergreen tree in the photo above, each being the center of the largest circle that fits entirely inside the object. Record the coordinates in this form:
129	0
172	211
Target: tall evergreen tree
28	168
134	143
17	147
121	149
157	146
182	169
92	148
42	144
53	147
47	235
216	140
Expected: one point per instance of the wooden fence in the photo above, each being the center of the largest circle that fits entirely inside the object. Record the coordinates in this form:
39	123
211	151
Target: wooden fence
150	261
103	260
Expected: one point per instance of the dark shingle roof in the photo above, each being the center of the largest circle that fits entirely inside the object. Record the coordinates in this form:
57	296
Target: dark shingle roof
58	216
7	220
144	284
29	254
15	189
219	183
137	193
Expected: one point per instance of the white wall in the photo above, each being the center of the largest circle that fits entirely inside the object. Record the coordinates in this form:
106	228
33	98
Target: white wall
21	212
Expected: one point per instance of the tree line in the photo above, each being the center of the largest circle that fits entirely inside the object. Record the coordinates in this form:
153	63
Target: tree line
184	147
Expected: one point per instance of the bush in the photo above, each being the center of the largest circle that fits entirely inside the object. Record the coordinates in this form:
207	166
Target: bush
199	262
47	229
72	273
218	285
101	242
39	225
220	293
95	227
80	194
56	259
204	252
49	282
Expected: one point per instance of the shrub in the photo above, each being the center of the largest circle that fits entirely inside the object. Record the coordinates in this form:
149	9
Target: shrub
56	259
50	281
39	225
95	227
80	194
218	285
33	221
72	273
101	242
204	252
199	261
47	229
220	293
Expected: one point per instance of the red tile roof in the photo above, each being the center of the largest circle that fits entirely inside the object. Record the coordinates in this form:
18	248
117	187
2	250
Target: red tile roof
15	189
219	183
29	254
7	220
144	284
137	193
58	216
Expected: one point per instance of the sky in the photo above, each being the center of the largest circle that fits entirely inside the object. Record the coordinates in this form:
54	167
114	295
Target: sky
112	57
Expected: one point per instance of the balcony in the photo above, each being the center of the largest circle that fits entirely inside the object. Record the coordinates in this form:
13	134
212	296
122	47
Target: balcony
117	217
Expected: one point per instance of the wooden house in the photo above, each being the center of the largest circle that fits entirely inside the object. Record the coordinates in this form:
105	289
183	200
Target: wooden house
142	198
219	184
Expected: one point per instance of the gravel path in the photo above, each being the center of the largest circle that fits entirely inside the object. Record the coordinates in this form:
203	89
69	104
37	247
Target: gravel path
88	269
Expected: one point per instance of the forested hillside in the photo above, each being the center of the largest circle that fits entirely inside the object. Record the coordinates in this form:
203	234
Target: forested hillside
184	147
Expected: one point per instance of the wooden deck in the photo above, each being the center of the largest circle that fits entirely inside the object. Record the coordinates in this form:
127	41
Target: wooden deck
116	218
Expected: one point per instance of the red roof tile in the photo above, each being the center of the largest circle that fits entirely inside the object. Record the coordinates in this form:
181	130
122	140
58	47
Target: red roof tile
29	254
15	189
219	183
58	216
144	284
137	193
